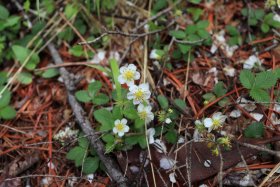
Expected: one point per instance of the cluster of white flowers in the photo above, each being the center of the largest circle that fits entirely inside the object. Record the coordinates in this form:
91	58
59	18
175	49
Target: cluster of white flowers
213	123
67	133
139	94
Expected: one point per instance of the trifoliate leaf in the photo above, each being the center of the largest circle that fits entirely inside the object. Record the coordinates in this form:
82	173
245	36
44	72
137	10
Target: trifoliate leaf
219	89
259	95
255	130
265	80
82	96
90	165
100	99
77	154
247	79
104	117
94	87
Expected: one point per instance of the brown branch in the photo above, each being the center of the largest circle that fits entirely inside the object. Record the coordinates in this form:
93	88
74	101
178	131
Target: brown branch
110	165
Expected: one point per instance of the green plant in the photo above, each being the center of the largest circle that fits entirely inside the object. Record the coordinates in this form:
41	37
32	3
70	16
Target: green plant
218	91
194	35
255	130
6	111
84	156
259	83
235	37
258	16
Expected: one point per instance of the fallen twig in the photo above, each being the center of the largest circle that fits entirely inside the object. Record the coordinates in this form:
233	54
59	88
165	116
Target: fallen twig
110	165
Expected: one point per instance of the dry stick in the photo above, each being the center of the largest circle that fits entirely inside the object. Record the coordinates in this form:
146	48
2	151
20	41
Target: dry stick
273	171
220	175
110	165
274	153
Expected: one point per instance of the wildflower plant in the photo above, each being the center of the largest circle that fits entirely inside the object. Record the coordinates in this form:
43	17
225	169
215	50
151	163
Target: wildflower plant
206	128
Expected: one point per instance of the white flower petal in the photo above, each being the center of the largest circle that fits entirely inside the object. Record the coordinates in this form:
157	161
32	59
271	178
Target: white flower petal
124	121
151	132
115	130
168	120
208	122
120	134
117	122
276	17
126	128
90	177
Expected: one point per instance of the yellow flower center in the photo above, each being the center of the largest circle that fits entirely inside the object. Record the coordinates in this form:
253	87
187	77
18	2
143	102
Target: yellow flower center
216	123
120	127
142	115
139	95
128	75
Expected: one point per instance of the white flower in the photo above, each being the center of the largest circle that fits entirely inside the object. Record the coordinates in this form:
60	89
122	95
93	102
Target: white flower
155	54
276	17
167	163
128	74
168	120
251	62
120	127
150	133
139	94
215	122
145	113
172	177
229	71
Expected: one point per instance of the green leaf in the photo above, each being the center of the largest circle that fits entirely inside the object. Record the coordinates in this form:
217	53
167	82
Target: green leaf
94	87
171	136
203	34
247	79
178	34
265	80
181	104
163	101
5	98
259	95
259	13
22	54
108	138
191	29
115	71
50	73
90	165
25	78
4	13
109	147
265	27
130	112
117	113
142	141
3	78
277	73
255	130
100	99
195	1
77	154
83	141
232	30
244	11
203	24
193	38
219	89
76	50
209	97
252	21
224	102
195	12
7	113
82	96
184	48
70	11
139	123
105	118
